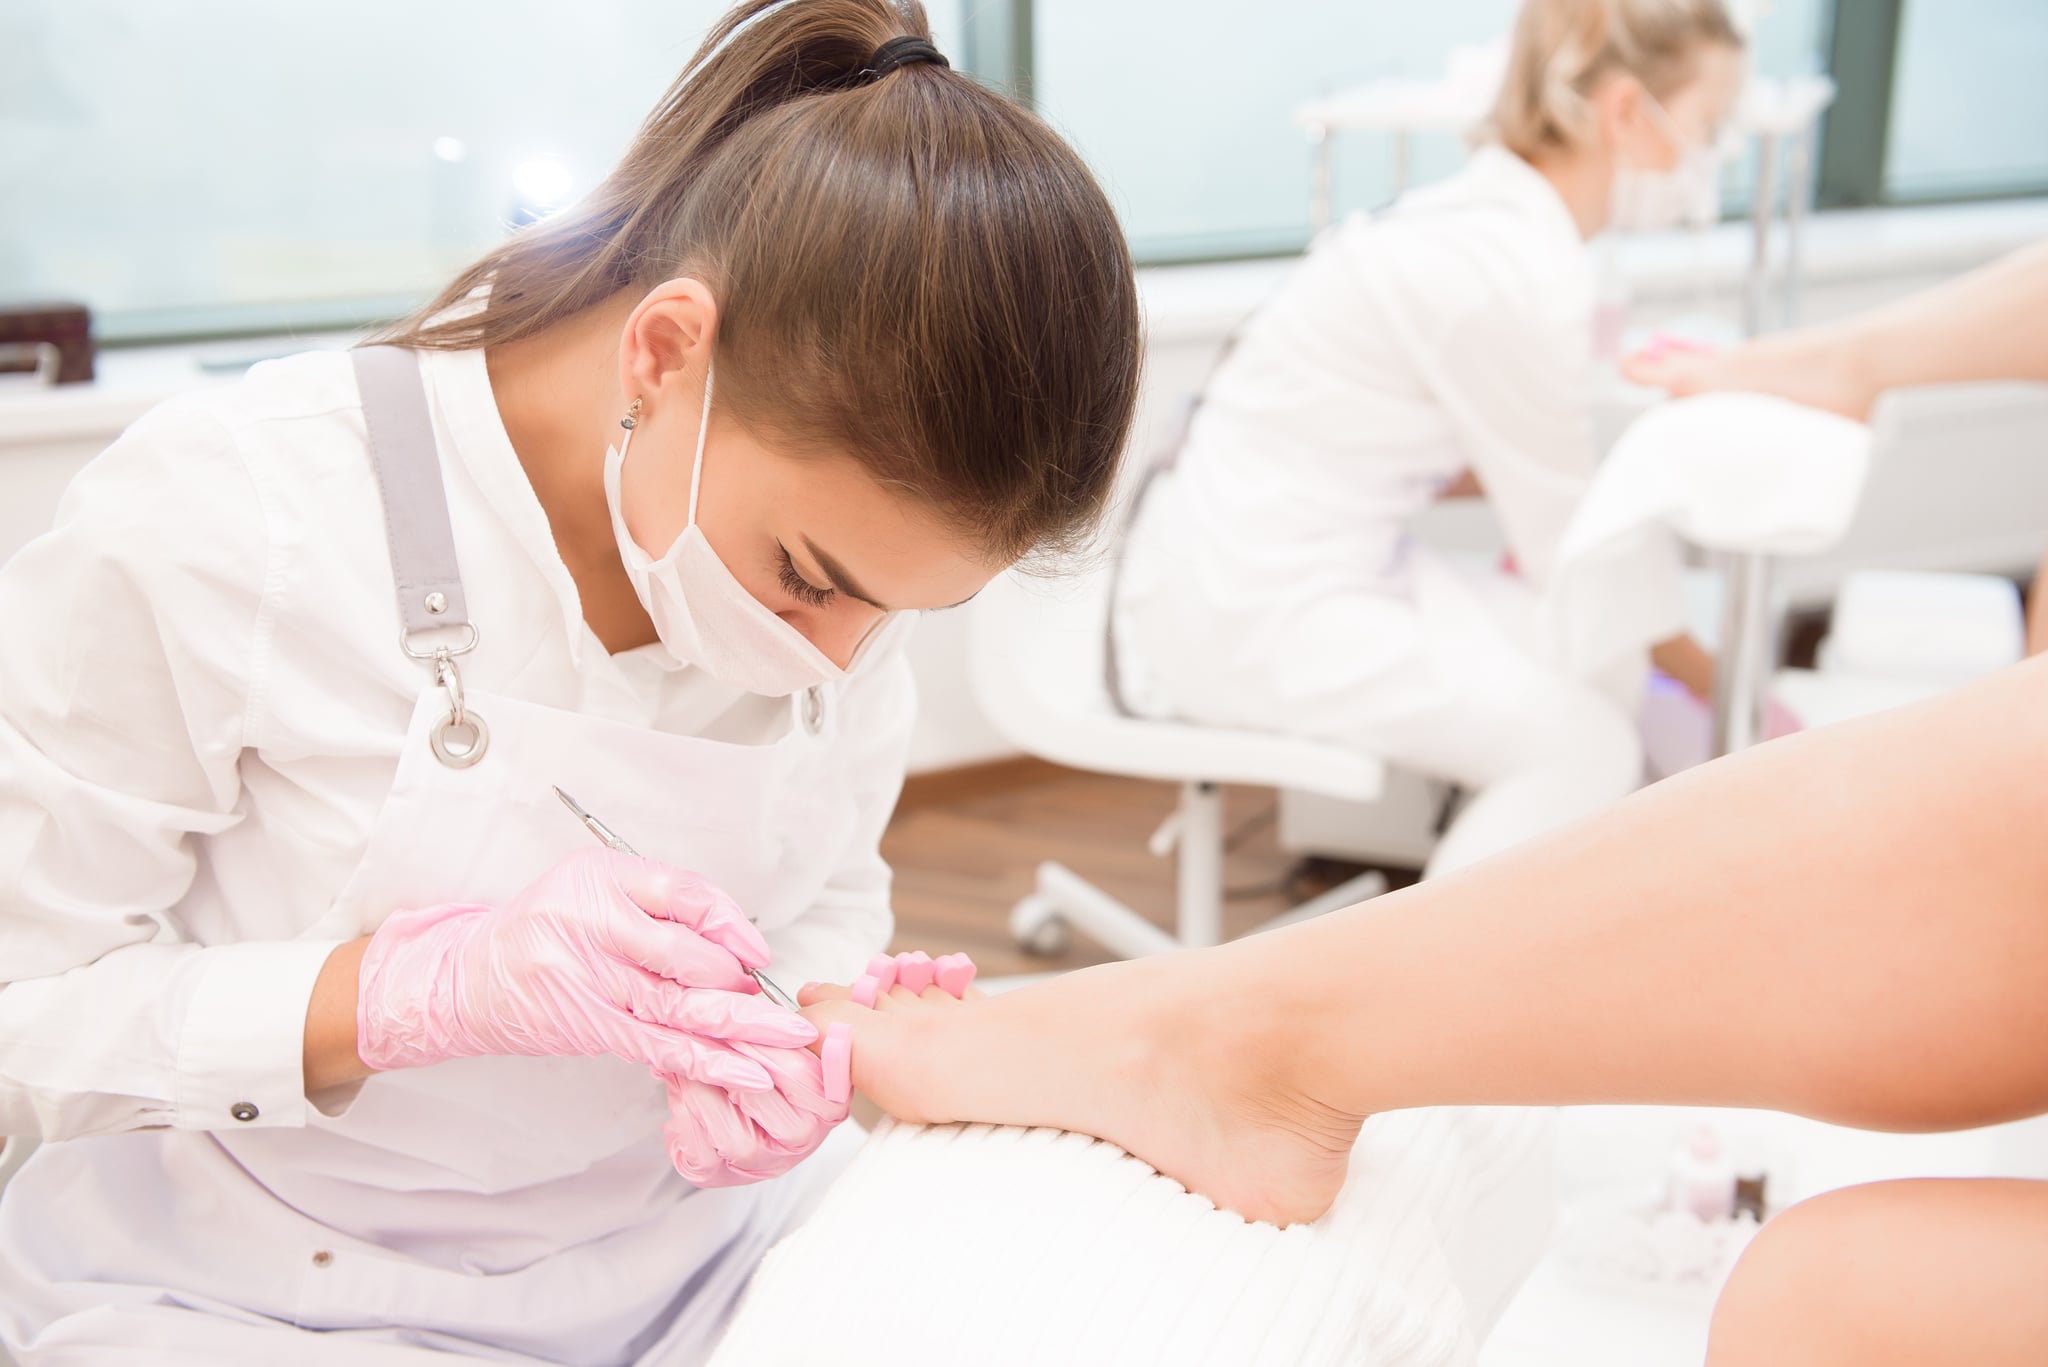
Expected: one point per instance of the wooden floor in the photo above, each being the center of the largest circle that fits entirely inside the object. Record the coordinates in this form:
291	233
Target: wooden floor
964	849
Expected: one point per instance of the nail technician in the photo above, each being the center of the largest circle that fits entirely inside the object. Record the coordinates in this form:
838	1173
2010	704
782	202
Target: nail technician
351	1043
1271	579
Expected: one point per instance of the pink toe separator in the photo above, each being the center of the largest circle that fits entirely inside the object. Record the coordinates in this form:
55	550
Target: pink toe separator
955	972
837	1057
865	989
914	971
1664	344
882	968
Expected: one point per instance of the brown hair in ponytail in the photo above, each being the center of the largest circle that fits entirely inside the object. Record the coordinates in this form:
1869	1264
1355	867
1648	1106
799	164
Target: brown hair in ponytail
909	267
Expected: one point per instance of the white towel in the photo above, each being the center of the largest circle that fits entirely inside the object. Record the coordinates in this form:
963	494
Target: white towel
1733	472
1008	1246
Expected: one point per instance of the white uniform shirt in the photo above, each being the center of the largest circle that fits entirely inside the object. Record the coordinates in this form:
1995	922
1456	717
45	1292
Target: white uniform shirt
1450	332
202	701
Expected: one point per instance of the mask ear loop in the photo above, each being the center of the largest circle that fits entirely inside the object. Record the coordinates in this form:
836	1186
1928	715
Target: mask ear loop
1681	145
703	430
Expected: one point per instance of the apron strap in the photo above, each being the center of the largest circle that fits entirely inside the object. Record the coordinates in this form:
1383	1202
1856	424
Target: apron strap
408	467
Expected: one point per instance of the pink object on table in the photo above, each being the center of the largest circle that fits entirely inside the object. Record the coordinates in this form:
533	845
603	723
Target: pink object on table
914	970
882	968
838	1060
865	989
953	973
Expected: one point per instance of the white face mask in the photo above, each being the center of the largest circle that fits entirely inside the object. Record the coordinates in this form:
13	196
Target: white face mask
1688	195
705	617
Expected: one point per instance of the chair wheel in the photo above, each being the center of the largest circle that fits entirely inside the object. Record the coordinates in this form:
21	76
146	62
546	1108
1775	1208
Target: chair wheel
1038	928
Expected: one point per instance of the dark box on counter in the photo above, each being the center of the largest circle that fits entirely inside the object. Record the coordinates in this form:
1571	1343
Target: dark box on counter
48	337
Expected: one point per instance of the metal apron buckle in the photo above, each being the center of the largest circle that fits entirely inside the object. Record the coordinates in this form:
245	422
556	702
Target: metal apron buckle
809	707
445	739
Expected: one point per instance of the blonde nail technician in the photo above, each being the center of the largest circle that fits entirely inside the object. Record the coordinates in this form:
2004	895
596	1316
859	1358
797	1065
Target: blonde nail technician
349	1043
1270	580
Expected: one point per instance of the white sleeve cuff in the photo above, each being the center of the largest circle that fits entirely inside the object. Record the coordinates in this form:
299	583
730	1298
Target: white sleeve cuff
241	1053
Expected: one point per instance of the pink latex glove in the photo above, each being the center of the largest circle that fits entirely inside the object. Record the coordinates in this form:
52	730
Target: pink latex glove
1677	365
1663	344
607	953
727	1139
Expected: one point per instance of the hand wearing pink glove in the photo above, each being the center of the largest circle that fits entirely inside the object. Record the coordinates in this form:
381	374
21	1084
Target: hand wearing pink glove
606	954
716	1140
727	1139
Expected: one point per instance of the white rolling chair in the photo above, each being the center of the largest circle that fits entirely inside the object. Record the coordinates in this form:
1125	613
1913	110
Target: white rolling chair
1036	653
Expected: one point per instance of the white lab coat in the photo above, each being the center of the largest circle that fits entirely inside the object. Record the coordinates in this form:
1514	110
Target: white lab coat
212	771
1270	579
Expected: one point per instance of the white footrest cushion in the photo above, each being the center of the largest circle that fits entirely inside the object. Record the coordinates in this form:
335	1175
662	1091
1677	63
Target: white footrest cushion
1011	1246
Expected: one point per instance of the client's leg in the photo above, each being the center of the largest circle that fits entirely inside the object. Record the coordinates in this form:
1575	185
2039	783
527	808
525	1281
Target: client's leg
1845	924
1900	1272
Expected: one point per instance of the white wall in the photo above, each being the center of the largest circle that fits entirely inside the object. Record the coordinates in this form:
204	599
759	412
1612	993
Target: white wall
1968	490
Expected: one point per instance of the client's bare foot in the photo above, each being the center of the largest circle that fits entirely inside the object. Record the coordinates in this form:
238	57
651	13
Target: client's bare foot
1805	367
1189	1079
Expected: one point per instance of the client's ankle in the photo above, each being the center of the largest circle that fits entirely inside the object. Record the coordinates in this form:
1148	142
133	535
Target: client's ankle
1211	1099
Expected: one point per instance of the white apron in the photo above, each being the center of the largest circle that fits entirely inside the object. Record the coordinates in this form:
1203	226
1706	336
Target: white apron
516	1209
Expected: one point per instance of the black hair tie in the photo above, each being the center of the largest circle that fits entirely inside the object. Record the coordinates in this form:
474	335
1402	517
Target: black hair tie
905	51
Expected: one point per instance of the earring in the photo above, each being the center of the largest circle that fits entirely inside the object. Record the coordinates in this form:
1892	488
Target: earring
632	418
